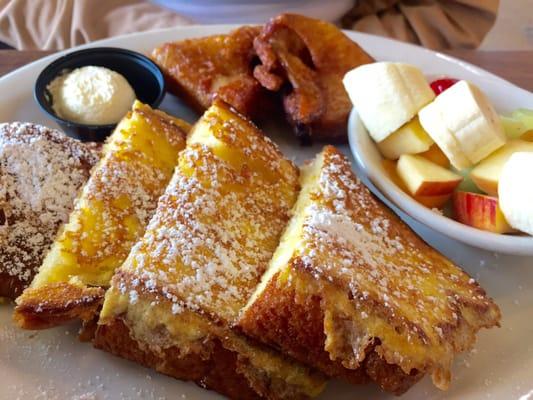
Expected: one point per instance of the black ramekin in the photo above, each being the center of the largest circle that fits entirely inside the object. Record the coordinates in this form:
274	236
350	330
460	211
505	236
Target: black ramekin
143	75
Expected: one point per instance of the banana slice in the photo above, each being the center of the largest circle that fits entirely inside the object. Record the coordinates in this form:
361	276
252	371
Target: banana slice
515	192
468	116
433	121
387	95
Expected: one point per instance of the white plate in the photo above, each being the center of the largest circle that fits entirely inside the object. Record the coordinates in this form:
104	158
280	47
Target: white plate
54	365
369	159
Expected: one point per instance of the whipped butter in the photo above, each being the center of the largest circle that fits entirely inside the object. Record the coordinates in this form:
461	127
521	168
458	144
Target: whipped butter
91	95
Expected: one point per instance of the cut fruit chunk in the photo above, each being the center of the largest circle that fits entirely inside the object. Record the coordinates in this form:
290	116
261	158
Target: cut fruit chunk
476	125
387	95
409	139
516	192
433	123
429	201
525	116
480	211
467	185
425	178
512	127
440	85
487	173
436	155
463	113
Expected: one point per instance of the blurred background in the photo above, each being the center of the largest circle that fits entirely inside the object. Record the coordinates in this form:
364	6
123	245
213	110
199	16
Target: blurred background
514	27
437	24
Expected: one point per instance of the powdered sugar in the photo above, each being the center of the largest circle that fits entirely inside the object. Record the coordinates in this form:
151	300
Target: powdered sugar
350	239
41	171
216	226
117	201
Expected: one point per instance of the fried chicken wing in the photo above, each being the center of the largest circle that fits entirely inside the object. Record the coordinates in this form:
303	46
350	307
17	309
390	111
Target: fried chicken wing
306	59
198	70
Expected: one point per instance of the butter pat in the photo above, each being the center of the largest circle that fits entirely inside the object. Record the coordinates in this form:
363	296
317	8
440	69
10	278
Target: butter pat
91	95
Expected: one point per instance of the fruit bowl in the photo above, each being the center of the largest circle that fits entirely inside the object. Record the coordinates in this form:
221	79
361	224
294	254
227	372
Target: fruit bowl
369	161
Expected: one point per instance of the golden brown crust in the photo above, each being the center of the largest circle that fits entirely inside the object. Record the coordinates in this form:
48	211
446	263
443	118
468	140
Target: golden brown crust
218	66
357	288
296	326
110	215
115	337
56	304
216	368
201	257
311	57
214	198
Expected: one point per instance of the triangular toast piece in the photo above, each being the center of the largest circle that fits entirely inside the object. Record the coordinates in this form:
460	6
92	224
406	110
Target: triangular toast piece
108	218
41	173
174	301
352	291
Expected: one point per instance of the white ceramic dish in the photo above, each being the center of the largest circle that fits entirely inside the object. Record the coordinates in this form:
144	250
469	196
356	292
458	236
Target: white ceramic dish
254	11
54	365
369	159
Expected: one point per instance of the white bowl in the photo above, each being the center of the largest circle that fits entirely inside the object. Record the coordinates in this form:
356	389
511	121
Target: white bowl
254	11
369	159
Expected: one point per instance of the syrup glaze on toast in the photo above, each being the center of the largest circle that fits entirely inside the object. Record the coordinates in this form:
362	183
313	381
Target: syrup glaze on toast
109	216
357	287
183	285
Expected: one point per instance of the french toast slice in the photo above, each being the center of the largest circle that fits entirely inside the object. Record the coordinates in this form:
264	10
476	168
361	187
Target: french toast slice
352	291
108	218
221	66
173	303
41	173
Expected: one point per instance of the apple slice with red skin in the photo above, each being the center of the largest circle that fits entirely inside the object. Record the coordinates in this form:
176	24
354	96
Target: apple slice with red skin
480	211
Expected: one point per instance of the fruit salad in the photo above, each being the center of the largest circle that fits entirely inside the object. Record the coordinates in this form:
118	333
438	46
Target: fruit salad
443	143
